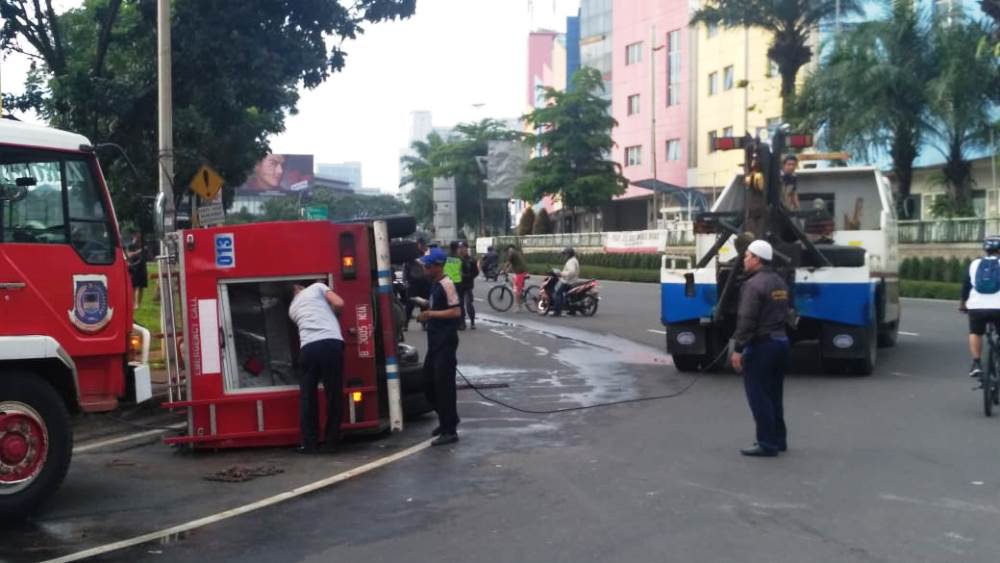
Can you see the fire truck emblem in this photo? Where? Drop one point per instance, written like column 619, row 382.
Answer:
column 90, row 311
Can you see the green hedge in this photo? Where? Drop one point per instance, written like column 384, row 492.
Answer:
column 625, row 261
column 950, row 270
column 603, row 273
column 931, row 289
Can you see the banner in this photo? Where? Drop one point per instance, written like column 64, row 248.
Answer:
column 505, row 163
column 636, row 241
column 278, row 174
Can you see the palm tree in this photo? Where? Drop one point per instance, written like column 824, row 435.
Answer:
column 790, row 22
column 962, row 102
column 869, row 95
column 421, row 169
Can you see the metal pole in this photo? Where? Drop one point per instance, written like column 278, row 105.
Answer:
column 652, row 101
column 382, row 263
column 166, row 114
column 746, row 85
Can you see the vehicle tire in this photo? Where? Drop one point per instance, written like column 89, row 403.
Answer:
column 501, row 298
column 688, row 363
column 589, row 306
column 403, row 251
column 35, row 433
column 399, row 226
column 888, row 334
column 543, row 306
column 531, row 297
column 866, row 365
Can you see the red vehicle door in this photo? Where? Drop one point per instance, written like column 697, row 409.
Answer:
column 62, row 270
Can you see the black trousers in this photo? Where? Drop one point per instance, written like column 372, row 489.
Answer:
column 468, row 299
column 764, row 365
column 440, row 365
column 322, row 362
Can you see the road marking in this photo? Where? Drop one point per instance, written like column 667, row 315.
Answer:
column 909, row 333
column 654, row 331
column 112, row 441
column 233, row 512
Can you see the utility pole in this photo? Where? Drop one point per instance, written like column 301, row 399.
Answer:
column 653, row 48
column 166, row 114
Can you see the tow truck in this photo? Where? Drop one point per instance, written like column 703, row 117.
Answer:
column 69, row 343
column 844, row 280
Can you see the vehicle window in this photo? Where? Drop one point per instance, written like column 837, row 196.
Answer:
column 37, row 216
column 58, row 201
column 88, row 220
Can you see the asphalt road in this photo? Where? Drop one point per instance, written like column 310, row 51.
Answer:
column 899, row 466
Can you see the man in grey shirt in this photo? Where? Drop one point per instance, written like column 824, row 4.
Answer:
column 314, row 310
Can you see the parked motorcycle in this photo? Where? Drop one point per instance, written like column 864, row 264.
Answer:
column 582, row 296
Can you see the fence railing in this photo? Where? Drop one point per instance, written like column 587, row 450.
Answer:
column 947, row 230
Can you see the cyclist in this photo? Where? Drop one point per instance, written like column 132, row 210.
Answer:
column 569, row 275
column 516, row 265
column 981, row 298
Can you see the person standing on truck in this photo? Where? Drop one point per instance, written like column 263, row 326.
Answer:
column 470, row 271
column 314, row 310
column 981, row 299
column 137, row 267
column 440, row 363
column 789, row 182
column 762, row 348
column 516, row 265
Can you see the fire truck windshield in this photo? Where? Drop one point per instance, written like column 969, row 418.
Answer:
column 55, row 199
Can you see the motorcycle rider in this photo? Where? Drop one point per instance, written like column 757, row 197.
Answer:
column 569, row 275
column 490, row 263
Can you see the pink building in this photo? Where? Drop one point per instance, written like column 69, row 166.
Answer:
column 650, row 39
column 546, row 63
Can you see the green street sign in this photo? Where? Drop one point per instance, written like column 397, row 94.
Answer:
column 316, row 213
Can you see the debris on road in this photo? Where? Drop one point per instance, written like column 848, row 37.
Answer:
column 242, row 474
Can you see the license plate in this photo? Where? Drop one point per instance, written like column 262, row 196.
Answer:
column 366, row 331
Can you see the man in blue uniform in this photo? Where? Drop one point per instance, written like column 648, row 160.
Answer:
column 443, row 315
column 761, row 348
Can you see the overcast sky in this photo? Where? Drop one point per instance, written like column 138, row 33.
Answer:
column 451, row 55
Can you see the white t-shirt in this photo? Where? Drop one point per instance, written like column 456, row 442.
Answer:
column 571, row 271
column 978, row 300
column 314, row 316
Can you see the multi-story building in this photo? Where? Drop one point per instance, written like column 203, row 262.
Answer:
column 421, row 126
column 349, row 172
column 595, row 38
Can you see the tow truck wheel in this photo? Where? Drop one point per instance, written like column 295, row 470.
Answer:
column 888, row 334
column 36, row 443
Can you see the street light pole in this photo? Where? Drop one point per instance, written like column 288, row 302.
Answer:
column 166, row 114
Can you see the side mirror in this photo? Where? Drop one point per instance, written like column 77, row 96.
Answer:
column 14, row 193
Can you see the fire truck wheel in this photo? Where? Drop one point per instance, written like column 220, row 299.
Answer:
column 36, row 442
column 687, row 362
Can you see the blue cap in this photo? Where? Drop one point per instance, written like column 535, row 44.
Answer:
column 434, row 256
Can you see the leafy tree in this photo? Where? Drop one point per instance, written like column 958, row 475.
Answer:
column 791, row 22
column 542, row 225
column 526, row 225
column 237, row 68
column 574, row 133
column 870, row 94
column 962, row 99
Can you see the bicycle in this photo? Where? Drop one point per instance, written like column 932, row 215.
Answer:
column 990, row 377
column 501, row 296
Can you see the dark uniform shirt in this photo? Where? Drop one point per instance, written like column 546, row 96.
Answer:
column 443, row 296
column 763, row 309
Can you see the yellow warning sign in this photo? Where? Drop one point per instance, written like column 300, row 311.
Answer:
column 207, row 182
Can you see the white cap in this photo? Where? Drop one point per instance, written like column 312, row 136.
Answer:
column 761, row 249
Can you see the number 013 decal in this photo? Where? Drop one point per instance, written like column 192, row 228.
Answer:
column 225, row 250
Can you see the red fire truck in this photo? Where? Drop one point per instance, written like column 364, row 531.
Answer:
column 68, row 342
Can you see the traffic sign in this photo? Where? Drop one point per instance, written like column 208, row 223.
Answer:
column 316, row 212
column 211, row 212
column 206, row 182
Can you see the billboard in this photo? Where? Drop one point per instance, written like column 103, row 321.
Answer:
column 504, row 168
column 279, row 174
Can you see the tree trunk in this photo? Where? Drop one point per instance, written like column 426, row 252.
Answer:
column 788, row 74
column 903, row 153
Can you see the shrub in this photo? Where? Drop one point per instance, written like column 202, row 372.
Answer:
column 542, row 224
column 526, row 223
column 931, row 290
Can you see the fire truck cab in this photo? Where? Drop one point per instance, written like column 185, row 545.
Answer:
column 67, row 338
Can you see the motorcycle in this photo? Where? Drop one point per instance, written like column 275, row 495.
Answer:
column 491, row 271
column 582, row 296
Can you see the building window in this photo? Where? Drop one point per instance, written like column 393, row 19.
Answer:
column 727, row 132
column 712, row 136
column 713, row 84
column 674, row 68
column 633, row 53
column 728, row 78
column 673, row 150
column 633, row 104
column 773, row 124
column 772, row 68
column 633, row 155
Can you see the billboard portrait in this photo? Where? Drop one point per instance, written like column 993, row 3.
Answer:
column 280, row 173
